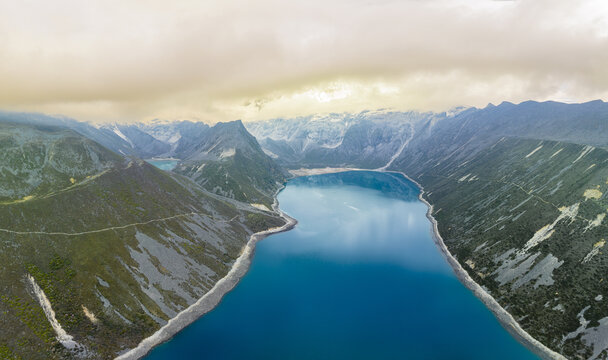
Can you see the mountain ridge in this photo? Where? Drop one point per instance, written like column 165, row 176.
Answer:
column 229, row 161
column 118, row 249
column 518, row 191
column 519, row 195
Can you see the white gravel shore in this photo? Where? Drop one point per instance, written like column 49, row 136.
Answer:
column 241, row 266
column 212, row 298
column 503, row 316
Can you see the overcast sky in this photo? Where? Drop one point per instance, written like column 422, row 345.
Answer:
column 224, row 60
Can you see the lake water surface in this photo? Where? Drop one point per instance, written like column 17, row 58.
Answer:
column 358, row 278
column 164, row 164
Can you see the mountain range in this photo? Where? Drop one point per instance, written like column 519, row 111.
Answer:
column 95, row 244
column 518, row 191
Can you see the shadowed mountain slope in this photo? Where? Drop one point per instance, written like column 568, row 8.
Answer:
column 230, row 162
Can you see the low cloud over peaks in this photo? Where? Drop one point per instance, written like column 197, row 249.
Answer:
column 132, row 60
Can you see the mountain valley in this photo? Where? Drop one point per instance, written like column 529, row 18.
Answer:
column 116, row 245
column 518, row 191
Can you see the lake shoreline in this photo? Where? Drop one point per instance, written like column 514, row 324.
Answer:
column 504, row 317
column 213, row 297
column 163, row 159
column 242, row 264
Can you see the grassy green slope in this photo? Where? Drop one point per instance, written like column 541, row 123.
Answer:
column 132, row 244
column 37, row 160
column 502, row 179
column 488, row 209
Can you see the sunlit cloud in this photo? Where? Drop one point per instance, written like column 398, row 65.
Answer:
column 223, row 60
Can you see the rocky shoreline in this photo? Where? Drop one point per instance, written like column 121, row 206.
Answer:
column 212, row 298
column 503, row 316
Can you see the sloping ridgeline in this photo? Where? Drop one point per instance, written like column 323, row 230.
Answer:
column 224, row 159
column 230, row 162
column 526, row 220
column 117, row 246
column 519, row 193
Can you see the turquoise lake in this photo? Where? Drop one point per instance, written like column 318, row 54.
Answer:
column 359, row 277
column 164, row 164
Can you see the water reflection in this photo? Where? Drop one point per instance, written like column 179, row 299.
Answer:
column 358, row 278
column 368, row 227
column 163, row 164
column 390, row 185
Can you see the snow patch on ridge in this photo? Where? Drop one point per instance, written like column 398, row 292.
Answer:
column 270, row 153
column 122, row 136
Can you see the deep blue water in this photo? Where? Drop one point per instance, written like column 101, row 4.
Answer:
column 163, row 164
column 358, row 278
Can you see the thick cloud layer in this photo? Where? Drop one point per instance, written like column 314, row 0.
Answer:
column 221, row 60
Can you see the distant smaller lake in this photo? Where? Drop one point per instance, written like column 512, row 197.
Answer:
column 164, row 164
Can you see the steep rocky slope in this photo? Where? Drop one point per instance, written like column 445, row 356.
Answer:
column 182, row 137
column 224, row 159
column 103, row 136
column 107, row 250
column 525, row 218
column 373, row 139
column 366, row 139
column 519, row 192
column 142, row 144
column 230, row 162
column 37, row 160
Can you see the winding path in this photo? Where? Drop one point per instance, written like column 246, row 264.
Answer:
column 104, row 229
